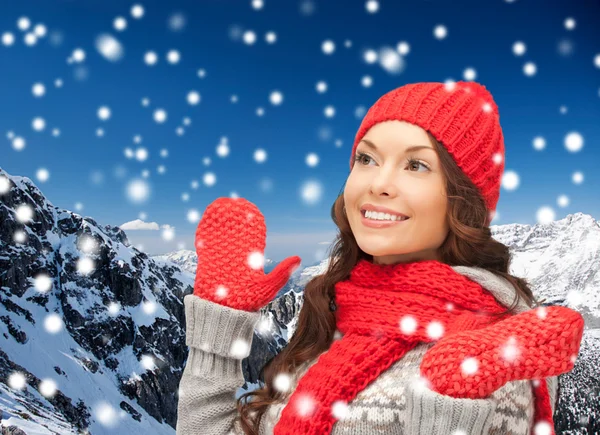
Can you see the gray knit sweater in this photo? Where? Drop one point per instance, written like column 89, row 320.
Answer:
column 391, row 404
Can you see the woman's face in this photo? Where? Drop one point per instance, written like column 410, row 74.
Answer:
column 384, row 177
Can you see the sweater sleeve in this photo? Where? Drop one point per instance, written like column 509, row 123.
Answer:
column 508, row 410
column 219, row 338
column 553, row 390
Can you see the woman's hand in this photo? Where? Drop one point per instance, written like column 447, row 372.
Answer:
column 230, row 243
column 535, row 344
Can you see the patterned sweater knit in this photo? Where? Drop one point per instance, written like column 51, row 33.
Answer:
column 389, row 405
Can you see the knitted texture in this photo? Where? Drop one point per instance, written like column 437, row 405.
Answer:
column 549, row 336
column 462, row 116
column 230, row 242
column 389, row 405
column 384, row 311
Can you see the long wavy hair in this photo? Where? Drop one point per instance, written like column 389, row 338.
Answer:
column 469, row 243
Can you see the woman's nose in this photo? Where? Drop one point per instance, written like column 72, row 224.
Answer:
column 384, row 182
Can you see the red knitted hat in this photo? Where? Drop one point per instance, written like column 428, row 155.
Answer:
column 462, row 116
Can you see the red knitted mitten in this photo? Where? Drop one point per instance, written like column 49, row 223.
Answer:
column 535, row 344
column 230, row 243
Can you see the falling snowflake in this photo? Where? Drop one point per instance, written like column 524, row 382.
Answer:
column 435, row 330
column 150, row 58
column 510, row 180
column 256, row 260
column 173, row 56
column 469, row 74
column 545, row 215
column 282, row 382
column 408, row 325
column 109, row 47
column 249, row 37
column 311, row 192
column 573, row 142
column 370, row 56
column 160, row 115
column 53, row 323
column 510, row 351
column 440, row 31
column 340, row 410
column 17, row 381
column 8, row 39
column 239, row 349
column 276, row 98
column 260, row 155
column 106, row 415
column 305, row 405
column 529, row 69
column 42, row 175
column 193, row 216
column 403, row 48
column 271, row 37
column 149, row 307
column 193, row 98
column 312, row 159
column 104, row 113
column 48, row 388
column 519, row 48
column 138, row 191
column 137, row 11
column 168, row 234
column 222, row 150
column 391, row 61
column 328, row 47
column 539, row 143
column 43, row 283
column 563, row 201
column 120, row 24
column 469, row 366
column 24, row 213
column 38, row 123
column 38, row 90
column 78, row 55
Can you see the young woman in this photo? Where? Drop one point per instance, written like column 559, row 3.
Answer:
column 416, row 326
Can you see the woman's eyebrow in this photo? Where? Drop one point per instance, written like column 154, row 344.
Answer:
column 410, row 148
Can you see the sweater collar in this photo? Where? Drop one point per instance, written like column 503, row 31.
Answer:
column 502, row 290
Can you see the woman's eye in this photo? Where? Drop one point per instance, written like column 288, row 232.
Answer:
column 359, row 156
column 410, row 162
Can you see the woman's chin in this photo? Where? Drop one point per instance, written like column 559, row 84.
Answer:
column 377, row 250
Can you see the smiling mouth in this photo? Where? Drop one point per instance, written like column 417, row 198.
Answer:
column 364, row 213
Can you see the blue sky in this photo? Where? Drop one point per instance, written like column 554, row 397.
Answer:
column 90, row 174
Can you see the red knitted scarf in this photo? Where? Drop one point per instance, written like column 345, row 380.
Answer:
column 371, row 309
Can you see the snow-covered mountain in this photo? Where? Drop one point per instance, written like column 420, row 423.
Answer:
column 92, row 331
column 560, row 260
column 187, row 260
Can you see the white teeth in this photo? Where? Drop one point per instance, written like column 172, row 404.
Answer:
column 382, row 216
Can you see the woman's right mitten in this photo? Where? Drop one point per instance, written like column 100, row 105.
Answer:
column 230, row 242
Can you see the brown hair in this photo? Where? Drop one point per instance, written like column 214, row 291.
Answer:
column 469, row 243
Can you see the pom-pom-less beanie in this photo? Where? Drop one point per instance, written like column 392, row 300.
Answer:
column 462, row 116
